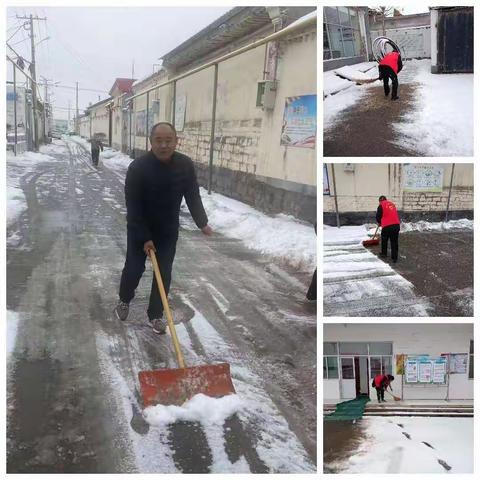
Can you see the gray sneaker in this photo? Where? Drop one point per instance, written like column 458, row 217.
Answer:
column 159, row 325
column 121, row 310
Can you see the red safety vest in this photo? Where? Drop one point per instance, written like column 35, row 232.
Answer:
column 389, row 214
column 391, row 60
column 378, row 380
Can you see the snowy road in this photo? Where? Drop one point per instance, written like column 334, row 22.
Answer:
column 73, row 403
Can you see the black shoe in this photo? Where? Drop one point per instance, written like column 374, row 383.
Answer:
column 383, row 255
column 121, row 310
column 159, row 325
column 395, row 98
column 394, row 260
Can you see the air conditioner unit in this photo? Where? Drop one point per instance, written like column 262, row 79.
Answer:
column 266, row 92
column 349, row 167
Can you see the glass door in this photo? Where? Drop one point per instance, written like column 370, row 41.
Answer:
column 347, row 383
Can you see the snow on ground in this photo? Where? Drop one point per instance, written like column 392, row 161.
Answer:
column 281, row 236
column 422, row 226
column 357, row 283
column 57, row 146
column 340, row 93
column 13, row 319
column 442, row 123
column 201, row 408
column 17, row 167
column 386, row 449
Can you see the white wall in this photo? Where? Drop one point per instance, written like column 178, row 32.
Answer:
column 413, row 339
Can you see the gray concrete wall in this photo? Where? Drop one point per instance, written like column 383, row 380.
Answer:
column 402, row 21
column 341, row 62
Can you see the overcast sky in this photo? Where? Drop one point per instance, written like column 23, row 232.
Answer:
column 95, row 45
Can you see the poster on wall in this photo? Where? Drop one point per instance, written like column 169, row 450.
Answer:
column 439, row 370
column 140, row 124
column 400, row 364
column 423, row 178
column 299, row 126
column 425, row 371
column 458, row 362
column 326, row 185
column 411, row 370
column 180, row 109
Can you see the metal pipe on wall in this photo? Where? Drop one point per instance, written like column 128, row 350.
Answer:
column 335, row 195
column 449, row 193
column 147, row 122
column 15, row 109
column 212, row 130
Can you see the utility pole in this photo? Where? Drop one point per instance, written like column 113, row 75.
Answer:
column 76, row 110
column 34, row 83
column 68, row 125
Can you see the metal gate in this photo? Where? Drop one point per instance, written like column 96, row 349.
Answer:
column 414, row 42
column 455, row 40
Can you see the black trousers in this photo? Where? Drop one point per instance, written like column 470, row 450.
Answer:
column 387, row 73
column 95, row 155
column 391, row 233
column 135, row 266
column 380, row 393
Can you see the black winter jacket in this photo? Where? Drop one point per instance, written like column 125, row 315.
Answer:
column 154, row 192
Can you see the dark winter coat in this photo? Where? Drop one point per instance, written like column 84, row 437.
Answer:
column 96, row 144
column 154, row 192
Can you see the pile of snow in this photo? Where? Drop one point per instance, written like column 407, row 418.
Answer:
column 344, row 235
column 17, row 167
column 13, row 320
column 281, row 236
column 355, row 75
column 201, row 408
column 442, row 122
column 115, row 160
column 56, row 147
column 385, row 449
column 422, row 226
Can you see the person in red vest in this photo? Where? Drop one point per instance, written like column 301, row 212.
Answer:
column 388, row 219
column 389, row 67
column 381, row 383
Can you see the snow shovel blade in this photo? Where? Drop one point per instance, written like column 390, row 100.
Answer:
column 370, row 243
column 176, row 386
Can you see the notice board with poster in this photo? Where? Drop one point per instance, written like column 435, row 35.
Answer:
column 423, row 178
column 458, row 362
column 299, row 126
column 424, row 370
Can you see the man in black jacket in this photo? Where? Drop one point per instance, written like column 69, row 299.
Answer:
column 154, row 188
column 96, row 146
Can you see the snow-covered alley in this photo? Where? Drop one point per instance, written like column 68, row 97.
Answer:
column 73, row 401
column 403, row 445
column 433, row 117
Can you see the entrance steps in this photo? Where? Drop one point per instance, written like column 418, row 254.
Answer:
column 403, row 409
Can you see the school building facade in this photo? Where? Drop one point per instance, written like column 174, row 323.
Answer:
column 428, row 361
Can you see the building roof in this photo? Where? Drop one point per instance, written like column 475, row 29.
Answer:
column 98, row 104
column 236, row 24
column 123, row 84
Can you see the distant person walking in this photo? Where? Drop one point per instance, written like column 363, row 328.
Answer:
column 388, row 68
column 96, row 146
column 381, row 383
column 388, row 219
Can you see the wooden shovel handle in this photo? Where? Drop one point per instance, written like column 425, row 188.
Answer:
column 166, row 308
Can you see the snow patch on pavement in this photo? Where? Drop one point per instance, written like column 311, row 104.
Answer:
column 281, row 236
column 442, row 122
column 18, row 167
column 386, row 449
column 13, row 320
column 422, row 226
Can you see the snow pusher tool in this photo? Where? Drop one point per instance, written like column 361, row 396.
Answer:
column 175, row 386
column 372, row 241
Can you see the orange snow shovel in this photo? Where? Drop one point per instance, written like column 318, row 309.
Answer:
column 373, row 241
column 176, row 386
